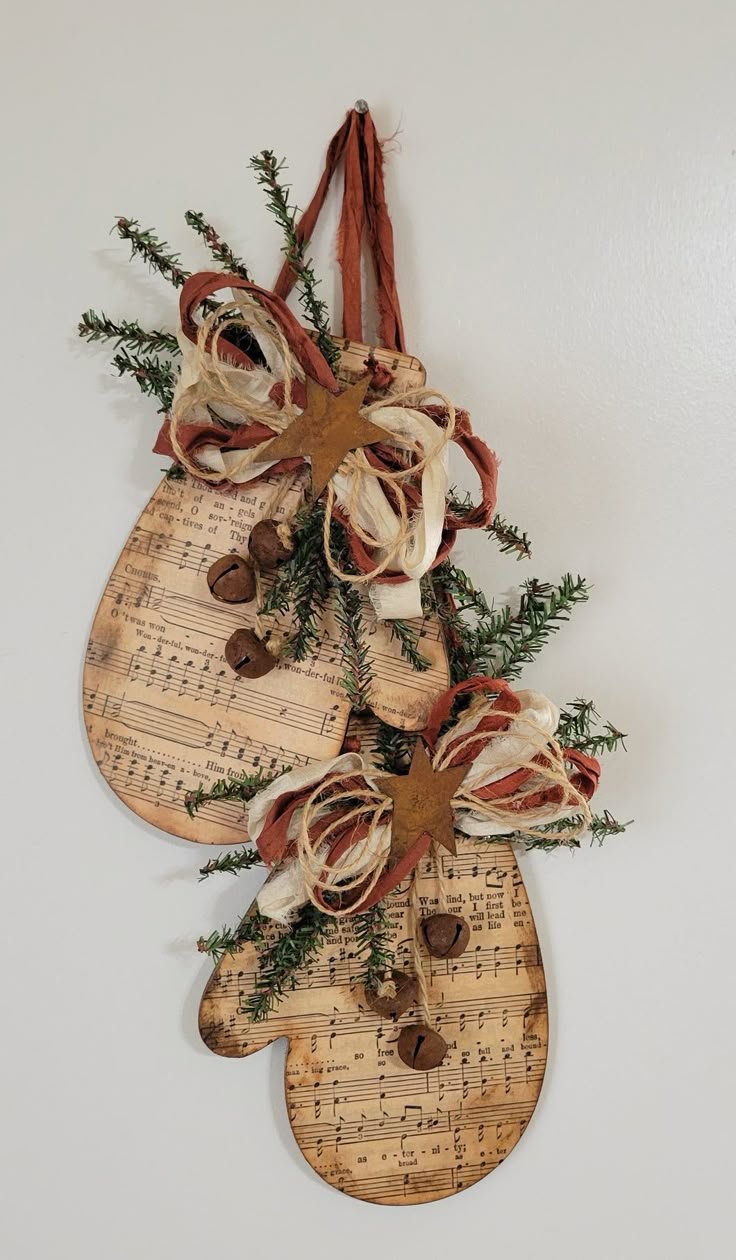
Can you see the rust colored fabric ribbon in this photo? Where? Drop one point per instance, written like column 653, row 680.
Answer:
column 273, row 840
column 193, row 436
column 363, row 209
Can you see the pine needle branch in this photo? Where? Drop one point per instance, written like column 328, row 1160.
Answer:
column 510, row 539
column 158, row 255
column 449, row 579
column 373, row 938
column 231, row 863
column 506, row 641
column 394, row 748
column 230, row 940
column 268, row 168
column 408, row 640
column 457, row 633
column 219, row 249
column 604, row 825
column 601, row 826
column 280, row 963
column 357, row 676
column 578, row 729
column 153, row 377
column 236, row 787
column 302, row 584
column 128, row 333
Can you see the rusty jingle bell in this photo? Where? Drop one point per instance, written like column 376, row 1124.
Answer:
column 406, row 995
column 421, row 1048
column 232, row 580
column 446, row 935
column 270, row 543
column 248, row 655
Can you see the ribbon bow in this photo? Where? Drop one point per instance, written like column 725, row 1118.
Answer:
column 329, row 830
column 391, row 496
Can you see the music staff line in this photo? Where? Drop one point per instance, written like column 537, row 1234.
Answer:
column 332, row 1093
column 406, row 1185
column 215, row 622
column 221, row 688
column 218, row 622
column 409, row 1125
column 189, row 732
column 199, row 557
column 321, row 1025
column 136, row 775
column 478, row 961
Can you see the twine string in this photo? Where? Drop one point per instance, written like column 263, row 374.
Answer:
column 442, row 882
column 369, row 808
column 214, row 387
column 417, row 946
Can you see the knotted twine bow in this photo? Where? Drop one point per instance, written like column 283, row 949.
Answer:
column 390, row 497
column 326, row 827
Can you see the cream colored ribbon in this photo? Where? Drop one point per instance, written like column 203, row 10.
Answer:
column 209, row 387
column 530, row 733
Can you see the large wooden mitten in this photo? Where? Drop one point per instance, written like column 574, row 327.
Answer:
column 367, row 1123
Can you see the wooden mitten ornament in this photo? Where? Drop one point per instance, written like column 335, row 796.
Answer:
column 285, row 655
column 166, row 714
column 369, row 1124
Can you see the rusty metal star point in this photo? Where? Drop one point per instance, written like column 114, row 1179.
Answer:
column 327, row 430
column 422, row 803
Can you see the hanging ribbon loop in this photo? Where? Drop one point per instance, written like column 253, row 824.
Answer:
column 363, row 207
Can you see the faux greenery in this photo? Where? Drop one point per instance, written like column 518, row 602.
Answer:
column 280, row 963
column 373, row 945
column 268, row 170
column 219, row 249
column 236, row 787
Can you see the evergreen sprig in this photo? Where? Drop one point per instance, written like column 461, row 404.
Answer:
column 577, row 729
column 302, row 584
column 219, row 249
column 394, row 748
column 408, row 640
column 357, row 675
column 231, row 863
column 157, row 254
column 230, row 940
column 236, row 787
column 268, row 169
column 374, row 942
column 546, row 838
column 507, row 640
column 604, row 825
column 154, row 377
column 448, row 579
column 279, row 964
column 510, row 539
column 128, row 333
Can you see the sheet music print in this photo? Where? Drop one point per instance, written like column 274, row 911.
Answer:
column 164, row 712
column 370, row 1126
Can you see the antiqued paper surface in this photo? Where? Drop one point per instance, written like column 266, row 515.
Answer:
column 164, row 711
column 368, row 1124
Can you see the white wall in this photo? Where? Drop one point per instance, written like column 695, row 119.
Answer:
column 565, row 211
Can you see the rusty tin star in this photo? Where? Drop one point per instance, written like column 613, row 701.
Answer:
column 422, row 803
column 329, row 427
